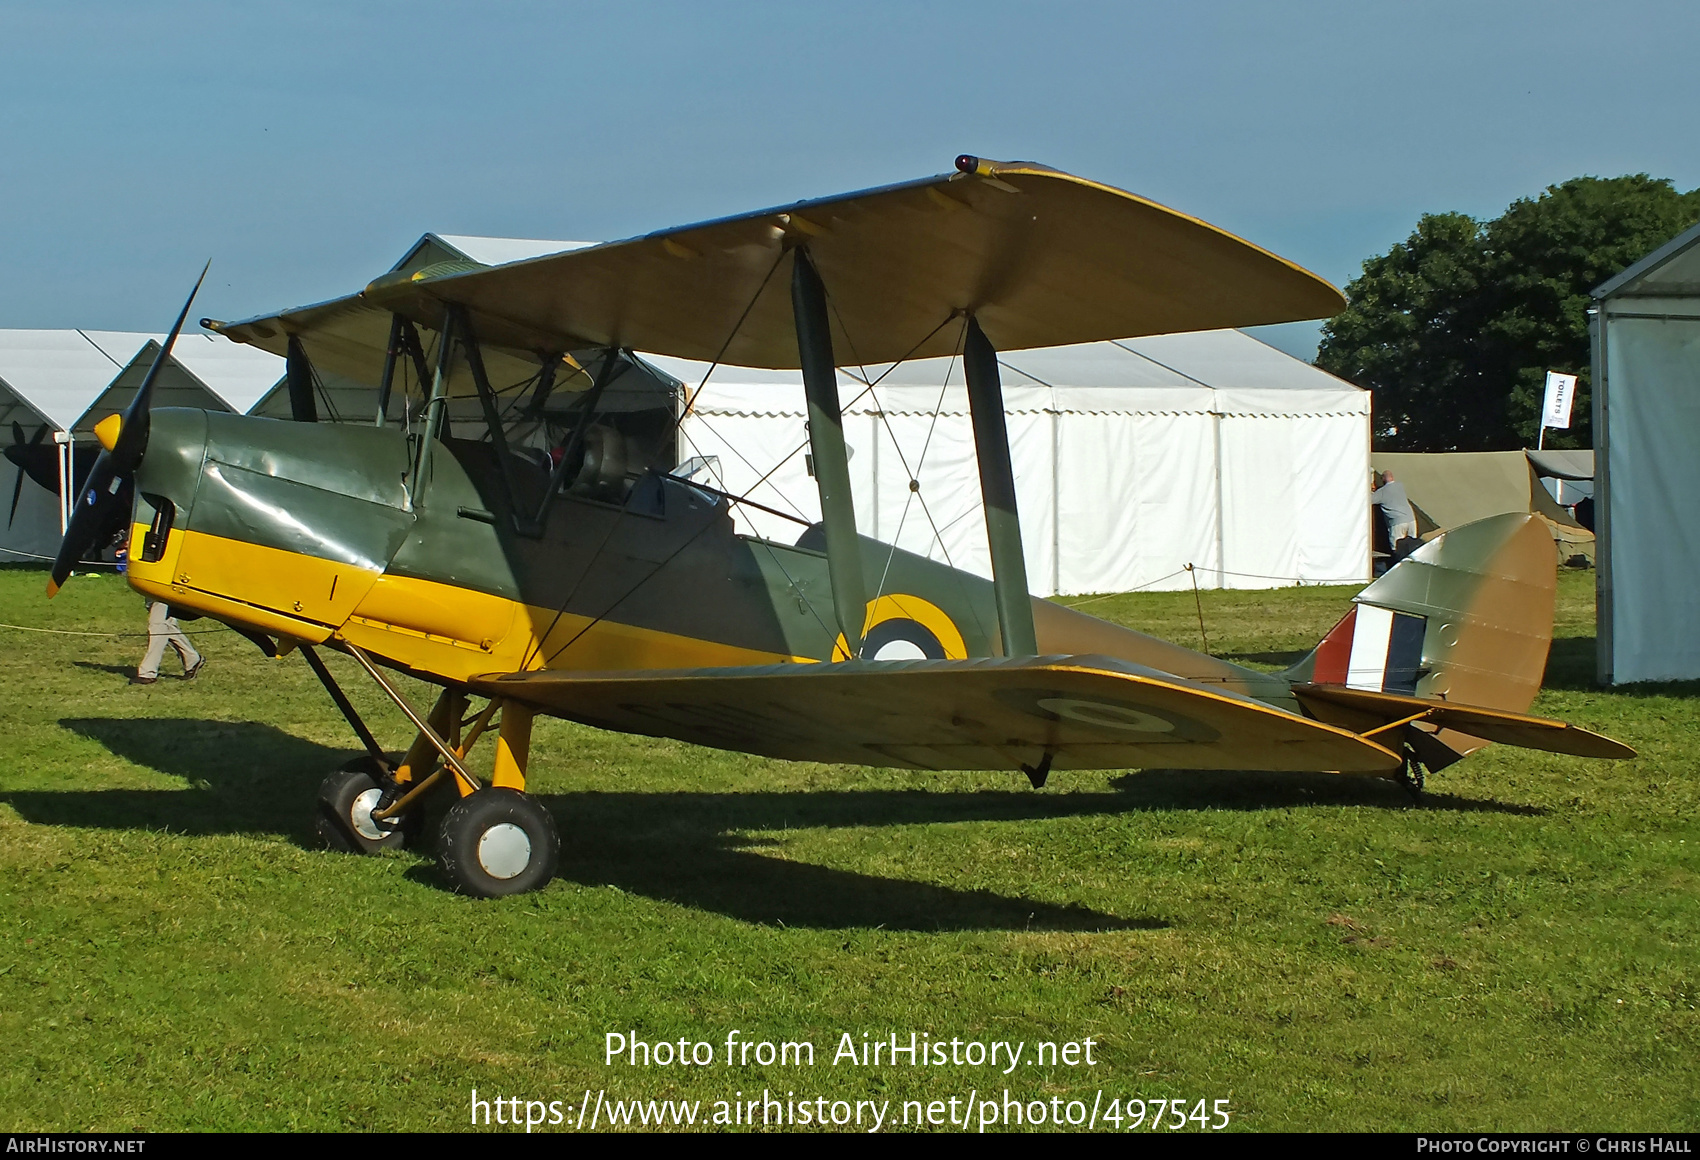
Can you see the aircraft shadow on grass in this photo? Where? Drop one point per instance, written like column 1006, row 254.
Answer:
column 682, row 847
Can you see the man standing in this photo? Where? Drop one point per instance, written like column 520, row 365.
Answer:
column 163, row 630
column 1401, row 522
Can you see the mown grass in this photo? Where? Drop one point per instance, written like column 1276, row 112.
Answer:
column 175, row 952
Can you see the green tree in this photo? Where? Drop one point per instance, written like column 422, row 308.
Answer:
column 1455, row 328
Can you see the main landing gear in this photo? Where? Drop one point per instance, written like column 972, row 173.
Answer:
column 490, row 840
column 497, row 842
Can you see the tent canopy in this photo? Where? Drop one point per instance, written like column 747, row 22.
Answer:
column 203, row 373
column 1202, row 373
column 1573, row 465
column 1458, row 487
column 437, row 249
column 71, row 379
column 68, row 380
column 51, row 376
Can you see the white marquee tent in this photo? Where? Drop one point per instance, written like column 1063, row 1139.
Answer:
column 1132, row 459
column 1646, row 331
column 57, row 384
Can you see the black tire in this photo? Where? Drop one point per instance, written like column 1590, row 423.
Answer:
column 346, row 801
column 498, row 842
column 1411, row 776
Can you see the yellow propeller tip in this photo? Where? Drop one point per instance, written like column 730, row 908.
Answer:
column 52, row 589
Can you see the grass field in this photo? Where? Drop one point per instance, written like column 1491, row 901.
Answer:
column 1519, row 952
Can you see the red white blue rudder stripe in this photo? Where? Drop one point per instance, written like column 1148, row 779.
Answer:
column 1373, row 648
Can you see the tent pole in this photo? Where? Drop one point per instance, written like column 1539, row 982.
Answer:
column 997, row 490
column 1221, row 498
column 826, row 445
column 65, row 499
column 1056, row 495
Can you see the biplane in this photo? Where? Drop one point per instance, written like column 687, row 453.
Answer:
column 509, row 541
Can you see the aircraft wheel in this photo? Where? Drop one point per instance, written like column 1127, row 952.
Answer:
column 1411, row 776
column 346, row 801
column 498, row 842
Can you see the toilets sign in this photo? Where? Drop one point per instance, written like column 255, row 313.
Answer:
column 1561, row 392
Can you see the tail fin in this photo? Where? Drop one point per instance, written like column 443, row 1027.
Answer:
column 1467, row 618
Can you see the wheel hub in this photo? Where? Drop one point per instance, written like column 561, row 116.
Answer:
column 504, row 850
column 360, row 815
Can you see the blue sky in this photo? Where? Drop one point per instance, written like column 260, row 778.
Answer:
column 303, row 145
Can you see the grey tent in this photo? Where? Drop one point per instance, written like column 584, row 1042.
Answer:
column 1646, row 332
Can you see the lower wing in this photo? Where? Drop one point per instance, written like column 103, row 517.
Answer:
column 1080, row 712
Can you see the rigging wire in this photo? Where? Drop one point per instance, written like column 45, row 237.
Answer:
column 324, row 393
column 727, row 443
column 867, row 390
column 914, row 475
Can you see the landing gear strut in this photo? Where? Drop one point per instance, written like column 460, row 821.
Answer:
column 493, row 841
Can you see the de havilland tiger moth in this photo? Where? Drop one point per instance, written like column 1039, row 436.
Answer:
column 534, row 562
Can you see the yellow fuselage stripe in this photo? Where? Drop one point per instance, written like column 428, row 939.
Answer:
column 433, row 628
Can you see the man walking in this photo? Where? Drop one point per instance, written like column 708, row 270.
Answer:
column 163, row 630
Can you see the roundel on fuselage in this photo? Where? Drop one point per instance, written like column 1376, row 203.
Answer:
column 899, row 639
column 902, row 628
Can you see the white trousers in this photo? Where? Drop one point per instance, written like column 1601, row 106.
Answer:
column 162, row 631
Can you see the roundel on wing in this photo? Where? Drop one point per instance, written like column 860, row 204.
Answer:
column 1126, row 720
column 905, row 628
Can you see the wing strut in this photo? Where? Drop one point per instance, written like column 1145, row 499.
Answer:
column 299, row 374
column 997, row 490
column 386, row 382
column 826, row 446
column 436, row 406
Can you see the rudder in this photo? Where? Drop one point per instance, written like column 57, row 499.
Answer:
column 1466, row 618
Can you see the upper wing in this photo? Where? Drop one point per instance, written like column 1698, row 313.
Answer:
column 1085, row 712
column 1041, row 257
column 1499, row 725
column 350, row 336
